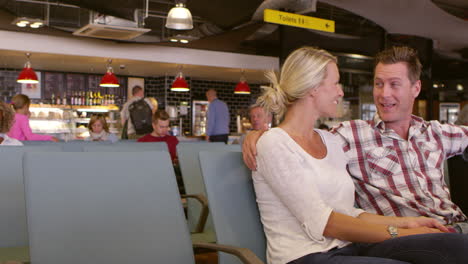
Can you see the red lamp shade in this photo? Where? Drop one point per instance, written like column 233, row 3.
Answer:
column 242, row 88
column 180, row 85
column 109, row 79
column 27, row 75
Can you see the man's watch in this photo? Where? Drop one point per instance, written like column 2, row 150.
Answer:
column 393, row 231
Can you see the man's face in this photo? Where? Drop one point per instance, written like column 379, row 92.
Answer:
column 161, row 127
column 394, row 93
column 258, row 118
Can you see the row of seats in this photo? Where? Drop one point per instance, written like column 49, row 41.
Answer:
column 102, row 210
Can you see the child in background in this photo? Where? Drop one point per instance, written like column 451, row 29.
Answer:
column 160, row 122
column 6, row 120
column 99, row 130
column 21, row 129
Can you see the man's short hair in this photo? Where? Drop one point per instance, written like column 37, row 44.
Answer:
column 401, row 54
column 160, row 115
column 136, row 89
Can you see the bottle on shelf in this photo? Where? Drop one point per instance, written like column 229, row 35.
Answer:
column 64, row 99
column 52, row 99
column 58, row 101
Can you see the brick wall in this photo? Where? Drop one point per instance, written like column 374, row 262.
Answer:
column 159, row 87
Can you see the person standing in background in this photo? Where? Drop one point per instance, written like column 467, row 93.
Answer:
column 126, row 119
column 21, row 129
column 6, row 121
column 259, row 119
column 218, row 119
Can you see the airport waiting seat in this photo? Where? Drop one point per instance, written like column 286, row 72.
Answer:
column 114, row 211
column 232, row 203
column 13, row 228
column 127, row 147
column 197, row 211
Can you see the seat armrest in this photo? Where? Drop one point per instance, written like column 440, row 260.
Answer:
column 244, row 254
column 204, row 212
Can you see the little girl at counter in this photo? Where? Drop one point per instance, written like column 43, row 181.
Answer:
column 21, row 129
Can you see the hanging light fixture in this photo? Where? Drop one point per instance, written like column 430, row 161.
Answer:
column 179, row 18
column 180, row 84
column 109, row 79
column 242, row 86
column 27, row 75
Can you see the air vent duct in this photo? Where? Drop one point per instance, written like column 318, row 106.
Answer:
column 109, row 27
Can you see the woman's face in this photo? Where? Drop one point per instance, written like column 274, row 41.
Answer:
column 329, row 92
column 97, row 127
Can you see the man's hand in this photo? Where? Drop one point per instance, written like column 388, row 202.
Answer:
column 415, row 222
column 249, row 148
column 417, row 231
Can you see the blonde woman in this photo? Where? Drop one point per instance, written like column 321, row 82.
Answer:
column 99, row 130
column 6, row 120
column 21, row 129
column 305, row 195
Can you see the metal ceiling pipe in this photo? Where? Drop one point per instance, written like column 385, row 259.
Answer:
column 293, row 5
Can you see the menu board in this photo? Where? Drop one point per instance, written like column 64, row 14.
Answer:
column 53, row 84
column 75, row 82
column 93, row 83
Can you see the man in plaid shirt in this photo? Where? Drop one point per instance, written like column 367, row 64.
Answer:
column 396, row 160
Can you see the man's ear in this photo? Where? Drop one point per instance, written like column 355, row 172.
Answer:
column 416, row 88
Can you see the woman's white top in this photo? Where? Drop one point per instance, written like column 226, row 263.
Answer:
column 296, row 194
column 8, row 141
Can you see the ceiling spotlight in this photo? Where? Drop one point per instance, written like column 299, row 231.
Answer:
column 459, row 87
column 24, row 22
column 182, row 38
column 36, row 25
column 179, row 18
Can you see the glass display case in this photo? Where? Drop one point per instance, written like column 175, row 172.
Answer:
column 448, row 112
column 199, row 112
column 69, row 122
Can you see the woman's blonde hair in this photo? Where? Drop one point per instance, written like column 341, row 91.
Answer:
column 94, row 119
column 19, row 101
column 304, row 69
column 6, row 117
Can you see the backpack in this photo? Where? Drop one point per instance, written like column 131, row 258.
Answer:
column 141, row 115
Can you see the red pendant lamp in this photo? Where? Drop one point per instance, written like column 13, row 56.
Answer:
column 27, row 75
column 109, row 79
column 180, row 84
column 242, row 86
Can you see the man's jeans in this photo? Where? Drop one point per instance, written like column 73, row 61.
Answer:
column 417, row 249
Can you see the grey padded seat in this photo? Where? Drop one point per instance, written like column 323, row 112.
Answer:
column 187, row 153
column 13, row 228
column 115, row 211
column 232, row 203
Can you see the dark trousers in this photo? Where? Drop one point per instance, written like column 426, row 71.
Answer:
column 219, row 138
column 417, row 249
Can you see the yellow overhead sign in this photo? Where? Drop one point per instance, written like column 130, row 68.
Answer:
column 295, row 20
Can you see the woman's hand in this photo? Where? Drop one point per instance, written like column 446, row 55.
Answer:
column 416, row 222
column 249, row 148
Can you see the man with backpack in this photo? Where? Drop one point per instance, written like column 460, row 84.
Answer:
column 136, row 115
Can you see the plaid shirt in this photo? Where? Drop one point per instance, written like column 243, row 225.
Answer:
column 394, row 176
